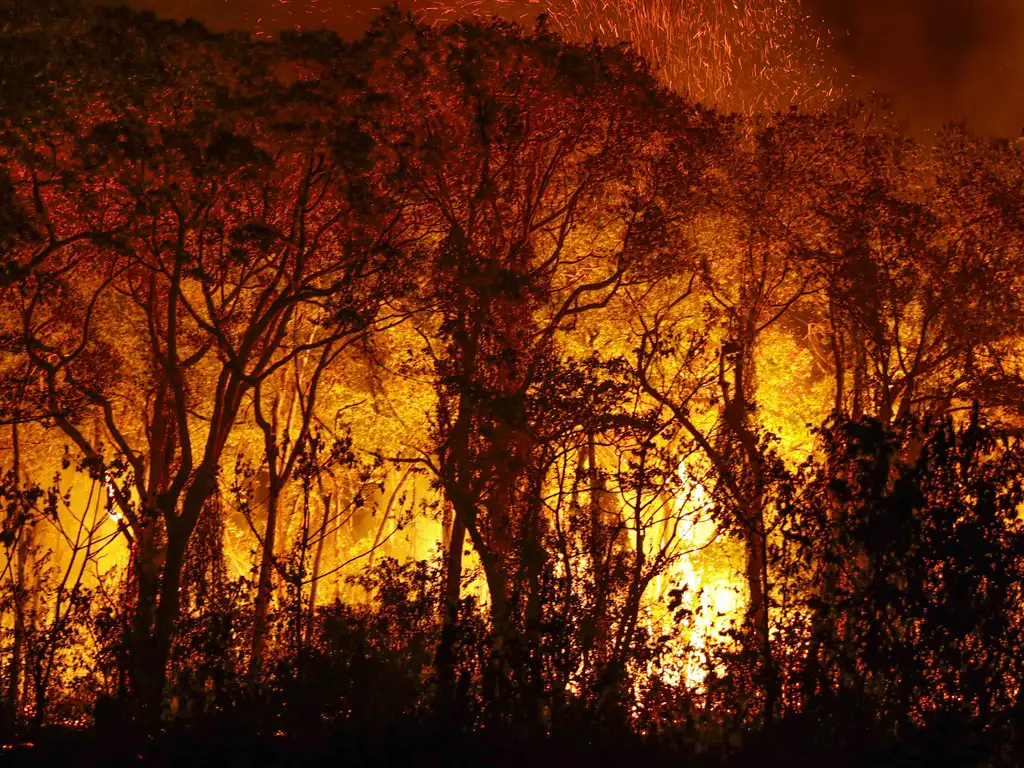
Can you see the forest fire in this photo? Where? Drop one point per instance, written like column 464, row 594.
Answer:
column 749, row 56
column 759, row 55
column 473, row 384
column 710, row 597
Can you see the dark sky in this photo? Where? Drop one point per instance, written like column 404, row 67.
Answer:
column 940, row 59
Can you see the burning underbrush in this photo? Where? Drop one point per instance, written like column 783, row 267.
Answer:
column 462, row 390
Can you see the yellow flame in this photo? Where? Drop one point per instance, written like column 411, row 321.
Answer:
column 710, row 599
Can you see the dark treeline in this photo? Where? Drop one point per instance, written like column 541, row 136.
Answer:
column 463, row 383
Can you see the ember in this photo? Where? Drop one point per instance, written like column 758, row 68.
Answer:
column 470, row 381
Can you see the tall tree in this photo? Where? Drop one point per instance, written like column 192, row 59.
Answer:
column 541, row 169
column 182, row 244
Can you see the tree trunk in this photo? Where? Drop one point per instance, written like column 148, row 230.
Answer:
column 534, row 558
column 159, row 601
column 314, row 578
column 757, row 584
column 836, row 343
column 141, row 650
column 737, row 416
column 859, row 379
column 823, row 619
column 167, row 611
column 600, row 544
column 265, row 585
column 498, row 677
column 444, row 660
column 12, row 698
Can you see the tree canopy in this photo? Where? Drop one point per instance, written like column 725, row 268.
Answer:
column 469, row 376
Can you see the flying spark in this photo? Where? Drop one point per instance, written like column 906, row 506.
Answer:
column 747, row 56
column 737, row 55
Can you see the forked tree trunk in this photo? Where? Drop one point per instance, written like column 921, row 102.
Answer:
column 159, row 599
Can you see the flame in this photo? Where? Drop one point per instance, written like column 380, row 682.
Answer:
column 114, row 512
column 710, row 599
column 751, row 56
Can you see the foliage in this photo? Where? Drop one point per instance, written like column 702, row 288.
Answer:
column 465, row 381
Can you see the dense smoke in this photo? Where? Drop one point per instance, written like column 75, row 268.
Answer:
column 940, row 60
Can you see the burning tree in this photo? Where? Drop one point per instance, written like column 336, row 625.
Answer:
column 539, row 208
column 466, row 346
column 185, row 253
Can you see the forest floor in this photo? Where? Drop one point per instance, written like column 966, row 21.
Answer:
column 229, row 748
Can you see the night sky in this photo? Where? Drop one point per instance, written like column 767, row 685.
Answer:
column 940, row 59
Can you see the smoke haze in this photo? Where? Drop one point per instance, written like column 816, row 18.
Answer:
column 940, row 60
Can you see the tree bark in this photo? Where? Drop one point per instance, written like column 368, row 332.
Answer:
column 14, row 667
column 265, row 584
column 737, row 416
column 159, row 600
column 314, row 578
column 444, row 659
column 141, row 650
column 836, row 344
